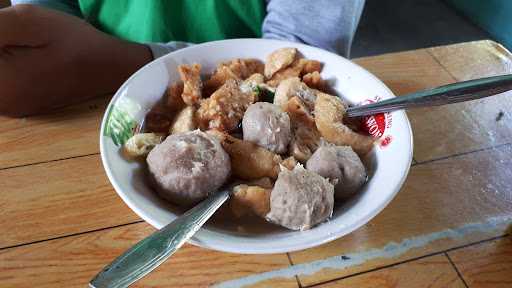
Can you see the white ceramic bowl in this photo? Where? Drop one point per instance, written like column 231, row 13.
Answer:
column 139, row 93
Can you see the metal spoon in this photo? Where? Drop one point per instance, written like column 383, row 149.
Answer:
column 152, row 251
column 447, row 94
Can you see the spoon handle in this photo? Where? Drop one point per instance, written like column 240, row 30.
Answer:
column 152, row 251
column 452, row 93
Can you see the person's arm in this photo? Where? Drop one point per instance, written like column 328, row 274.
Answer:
column 50, row 59
column 72, row 7
column 328, row 24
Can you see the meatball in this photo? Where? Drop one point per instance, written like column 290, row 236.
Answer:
column 300, row 199
column 187, row 167
column 342, row 166
column 266, row 125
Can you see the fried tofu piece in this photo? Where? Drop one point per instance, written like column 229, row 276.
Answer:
column 306, row 137
column 158, row 121
column 226, row 107
column 289, row 163
column 298, row 68
column 184, row 121
column 293, row 87
column 255, row 79
column 243, row 68
column 299, row 112
column 294, row 70
column 314, row 80
column 264, row 182
column 252, row 85
column 310, row 66
column 192, row 84
column 278, row 60
column 139, row 145
column 248, row 160
column 329, row 112
column 237, row 69
column 174, row 100
column 219, row 77
column 250, row 199
column 304, row 143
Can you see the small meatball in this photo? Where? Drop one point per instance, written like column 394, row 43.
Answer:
column 139, row 145
column 185, row 121
column 279, row 59
column 174, row 100
column 329, row 111
column 250, row 199
column 342, row 166
column 225, row 108
column 300, row 199
column 187, row 167
column 192, row 85
column 268, row 126
column 293, row 87
column 248, row 160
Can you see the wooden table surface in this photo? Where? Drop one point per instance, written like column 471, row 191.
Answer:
column 61, row 221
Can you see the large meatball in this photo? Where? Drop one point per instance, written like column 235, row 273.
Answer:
column 187, row 167
column 300, row 199
column 341, row 165
column 266, row 125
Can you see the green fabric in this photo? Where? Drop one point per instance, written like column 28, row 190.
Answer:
column 193, row 21
column 494, row 16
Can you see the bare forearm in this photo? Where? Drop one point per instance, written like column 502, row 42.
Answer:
column 51, row 59
column 103, row 69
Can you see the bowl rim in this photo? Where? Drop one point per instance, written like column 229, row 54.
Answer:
column 199, row 239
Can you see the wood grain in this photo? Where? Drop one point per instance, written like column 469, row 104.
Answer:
column 53, row 199
column 407, row 72
column 486, row 265
column 460, row 128
column 473, row 60
column 70, row 132
column 73, row 261
column 431, row 272
column 471, row 125
column 437, row 196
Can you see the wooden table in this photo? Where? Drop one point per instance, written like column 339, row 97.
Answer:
column 61, row 221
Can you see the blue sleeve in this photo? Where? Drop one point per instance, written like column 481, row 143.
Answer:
column 160, row 49
column 66, row 6
column 328, row 24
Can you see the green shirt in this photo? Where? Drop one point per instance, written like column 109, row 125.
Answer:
column 193, row 21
